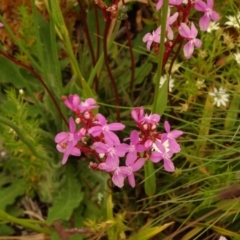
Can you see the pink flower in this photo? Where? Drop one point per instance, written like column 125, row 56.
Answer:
column 171, row 137
column 72, row 102
column 66, row 141
column 151, row 119
column 150, row 38
column 1, row 25
column 209, row 13
column 137, row 114
column 119, row 173
column 87, row 105
column 162, row 152
column 112, row 151
column 112, row 161
column 190, row 35
column 106, row 129
column 170, row 21
column 134, row 166
column 134, row 147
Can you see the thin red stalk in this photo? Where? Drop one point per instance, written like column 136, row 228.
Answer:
column 131, row 51
column 98, row 31
column 131, row 54
column 87, row 31
column 84, row 17
column 98, row 39
column 109, row 70
column 30, row 69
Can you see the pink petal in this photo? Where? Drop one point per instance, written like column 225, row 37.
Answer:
column 134, row 137
column 118, row 179
column 95, row 131
column 188, row 50
column 194, row 31
column 138, row 164
column 149, row 43
column 159, row 4
column 61, row 137
column 156, row 157
column 131, row 180
column 146, row 37
column 100, row 147
column 184, row 30
column 65, row 158
column 167, row 126
column 210, row 3
column 121, row 149
column 204, row 22
column 72, row 125
column 75, row 151
column 131, row 157
column 116, row 126
column 111, row 138
column 214, row 16
column 168, row 165
column 200, row 6
column 102, row 120
column 198, row 43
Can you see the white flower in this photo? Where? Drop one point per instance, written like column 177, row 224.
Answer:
column 237, row 57
column 220, row 96
column 233, row 21
column 212, row 26
column 200, row 84
column 163, row 80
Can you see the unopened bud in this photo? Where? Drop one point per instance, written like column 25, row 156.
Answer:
column 77, row 120
column 87, row 115
column 153, row 127
column 21, row 92
column 145, row 126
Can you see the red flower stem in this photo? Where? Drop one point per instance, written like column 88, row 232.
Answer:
column 98, row 39
column 107, row 25
column 30, row 69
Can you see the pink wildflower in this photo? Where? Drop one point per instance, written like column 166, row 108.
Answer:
column 134, row 166
column 154, row 37
column 66, row 141
column 106, row 129
column 1, row 25
column 162, row 152
column 72, row 102
column 190, row 34
column 209, row 13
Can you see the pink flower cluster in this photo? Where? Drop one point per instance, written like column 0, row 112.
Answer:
column 143, row 145
column 186, row 29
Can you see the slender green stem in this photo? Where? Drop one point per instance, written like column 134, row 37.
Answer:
column 23, row 222
column 23, row 138
column 163, row 17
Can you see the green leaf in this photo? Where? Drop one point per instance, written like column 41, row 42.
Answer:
column 6, row 230
column 69, row 198
column 9, row 73
column 232, row 113
column 162, row 98
column 150, row 178
column 149, row 232
column 10, row 193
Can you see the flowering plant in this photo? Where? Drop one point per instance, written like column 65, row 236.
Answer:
column 146, row 144
column 179, row 19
